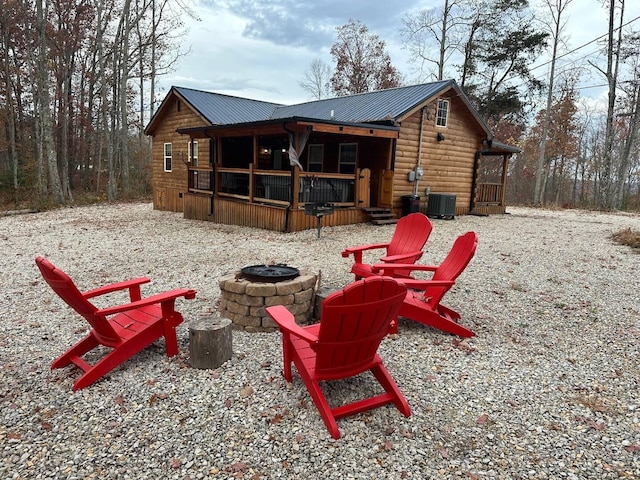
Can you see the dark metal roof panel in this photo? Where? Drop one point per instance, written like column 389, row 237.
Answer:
column 225, row 109
column 381, row 105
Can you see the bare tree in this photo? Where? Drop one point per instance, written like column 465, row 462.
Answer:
column 614, row 45
column 629, row 143
column 46, row 148
column 555, row 25
column 434, row 27
column 316, row 79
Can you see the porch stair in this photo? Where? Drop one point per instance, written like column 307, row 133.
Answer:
column 380, row 216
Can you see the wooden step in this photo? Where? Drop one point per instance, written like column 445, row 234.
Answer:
column 380, row 216
column 385, row 221
column 376, row 216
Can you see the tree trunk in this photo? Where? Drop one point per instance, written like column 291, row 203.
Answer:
column 10, row 113
column 557, row 25
column 124, row 79
column 613, row 58
column 44, row 111
column 627, row 147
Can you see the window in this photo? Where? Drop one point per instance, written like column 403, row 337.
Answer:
column 167, row 157
column 193, row 159
column 316, row 154
column 348, row 155
column 443, row 113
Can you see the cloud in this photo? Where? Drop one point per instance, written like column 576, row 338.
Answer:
column 310, row 24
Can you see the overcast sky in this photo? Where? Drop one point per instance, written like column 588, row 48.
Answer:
column 261, row 48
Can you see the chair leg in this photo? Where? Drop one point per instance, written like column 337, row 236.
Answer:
column 434, row 319
column 170, row 340
column 85, row 345
column 320, row 402
column 394, row 326
column 111, row 360
column 390, row 386
column 286, row 356
column 100, row 369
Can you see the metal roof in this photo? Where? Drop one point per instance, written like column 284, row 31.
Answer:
column 369, row 107
column 221, row 109
column 379, row 107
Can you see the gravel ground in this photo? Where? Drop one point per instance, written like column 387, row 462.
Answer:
column 547, row 389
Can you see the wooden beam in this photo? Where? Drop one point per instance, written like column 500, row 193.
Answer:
column 352, row 130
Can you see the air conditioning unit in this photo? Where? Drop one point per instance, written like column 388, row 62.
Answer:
column 441, row 205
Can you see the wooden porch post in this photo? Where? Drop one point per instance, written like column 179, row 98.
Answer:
column 295, row 178
column 505, row 164
column 251, row 182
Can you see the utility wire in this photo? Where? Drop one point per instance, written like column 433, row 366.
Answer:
column 585, row 45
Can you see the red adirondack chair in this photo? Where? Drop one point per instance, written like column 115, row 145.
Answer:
column 344, row 344
column 409, row 237
column 422, row 302
column 132, row 326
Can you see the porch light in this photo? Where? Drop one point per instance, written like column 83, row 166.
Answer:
column 440, row 137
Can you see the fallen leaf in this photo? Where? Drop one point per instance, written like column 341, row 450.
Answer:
column 482, row 418
column 276, row 419
column 239, row 467
column 246, row 391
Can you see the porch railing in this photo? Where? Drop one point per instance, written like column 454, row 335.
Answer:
column 489, row 194
column 201, row 179
column 327, row 188
column 274, row 187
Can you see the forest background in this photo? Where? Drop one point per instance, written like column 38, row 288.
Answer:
column 79, row 82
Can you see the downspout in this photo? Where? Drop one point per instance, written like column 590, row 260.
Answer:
column 474, row 181
column 418, row 168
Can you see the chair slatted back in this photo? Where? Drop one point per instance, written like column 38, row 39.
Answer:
column 461, row 253
column 64, row 287
column 410, row 235
column 354, row 322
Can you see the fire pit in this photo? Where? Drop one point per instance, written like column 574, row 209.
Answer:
column 247, row 293
column 269, row 273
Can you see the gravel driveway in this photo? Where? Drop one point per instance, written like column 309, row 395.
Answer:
column 547, row 389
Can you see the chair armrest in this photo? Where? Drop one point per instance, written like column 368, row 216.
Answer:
column 414, row 284
column 357, row 251
column 347, row 251
column 403, row 266
column 161, row 298
column 401, row 257
column 287, row 323
column 114, row 287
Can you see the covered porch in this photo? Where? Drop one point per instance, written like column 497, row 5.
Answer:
column 264, row 174
column 489, row 188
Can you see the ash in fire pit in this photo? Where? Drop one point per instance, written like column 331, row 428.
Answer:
column 269, row 273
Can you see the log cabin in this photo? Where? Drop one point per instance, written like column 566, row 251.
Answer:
column 368, row 157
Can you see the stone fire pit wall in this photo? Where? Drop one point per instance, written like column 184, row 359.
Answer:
column 244, row 302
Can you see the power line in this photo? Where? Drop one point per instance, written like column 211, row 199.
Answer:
column 585, row 45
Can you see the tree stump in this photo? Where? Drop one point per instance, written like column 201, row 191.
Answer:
column 210, row 342
column 321, row 294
